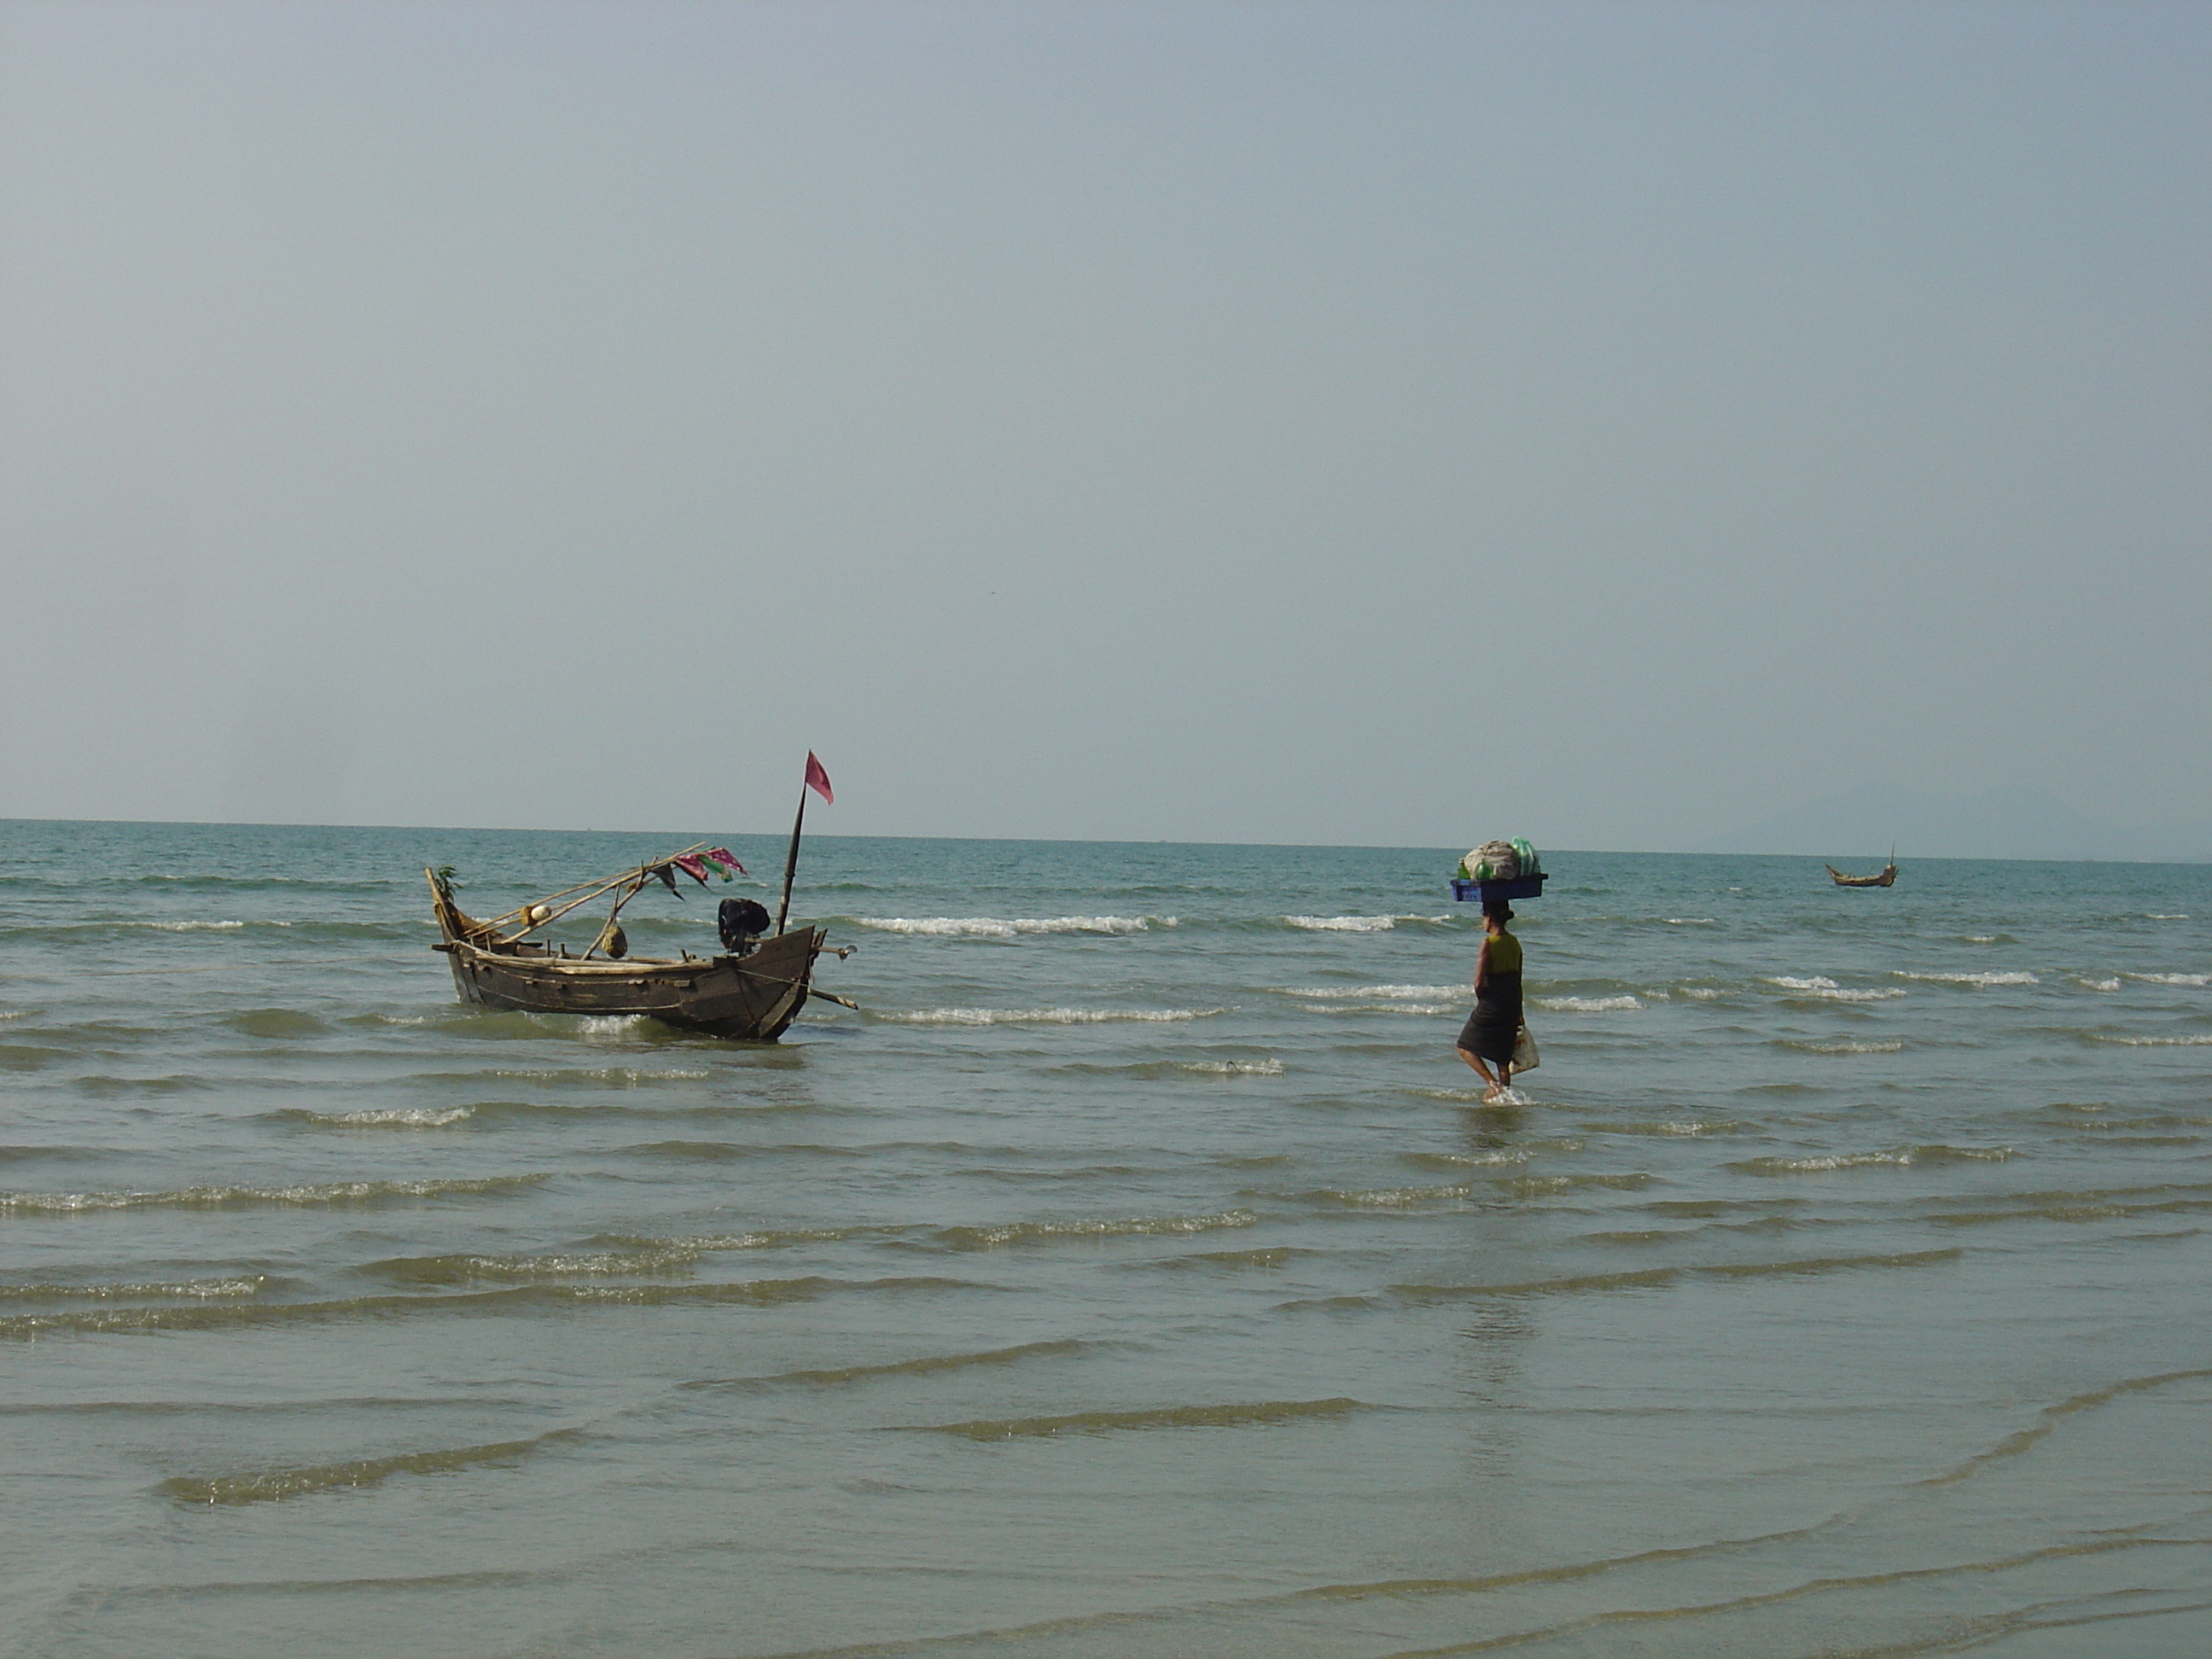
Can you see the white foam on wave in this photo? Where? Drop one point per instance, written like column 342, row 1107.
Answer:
column 1833, row 1161
column 203, row 1289
column 596, row 1027
column 1979, row 980
column 335, row 1193
column 1818, row 985
column 2199, row 980
column 1979, row 938
column 396, row 1117
column 1701, row 992
column 1901, row 1157
column 1231, row 1068
column 2156, row 916
column 1014, row 926
column 1044, row 1016
column 1690, row 921
column 1588, row 1005
column 2194, row 1041
column 1355, row 924
column 621, row 1075
column 1016, row 1232
column 2098, row 984
column 1390, row 1198
column 198, row 926
column 1844, row 1048
column 1380, row 993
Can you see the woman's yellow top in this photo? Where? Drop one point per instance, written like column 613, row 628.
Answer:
column 1504, row 953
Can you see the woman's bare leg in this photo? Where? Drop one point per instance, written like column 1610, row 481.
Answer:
column 1475, row 1060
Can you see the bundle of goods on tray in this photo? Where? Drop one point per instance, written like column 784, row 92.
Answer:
column 1499, row 870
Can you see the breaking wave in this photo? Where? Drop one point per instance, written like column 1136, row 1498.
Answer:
column 1895, row 1157
column 1818, row 985
column 1389, row 1198
column 336, row 1194
column 1588, row 1005
column 1024, row 1232
column 2197, row 979
column 1014, row 928
column 188, row 1289
column 1978, row 980
column 451, row 1270
column 1044, row 1016
column 393, row 1117
column 1355, row 924
column 1426, row 1008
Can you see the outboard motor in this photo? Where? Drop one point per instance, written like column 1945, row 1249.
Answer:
column 740, row 920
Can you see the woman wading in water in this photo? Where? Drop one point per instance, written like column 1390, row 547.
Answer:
column 1495, row 1025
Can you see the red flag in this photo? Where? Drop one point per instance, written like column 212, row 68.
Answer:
column 817, row 780
column 694, row 867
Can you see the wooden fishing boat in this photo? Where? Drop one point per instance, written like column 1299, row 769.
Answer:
column 754, row 990
column 1886, row 878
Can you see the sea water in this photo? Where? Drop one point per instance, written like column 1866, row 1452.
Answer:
column 1138, row 1272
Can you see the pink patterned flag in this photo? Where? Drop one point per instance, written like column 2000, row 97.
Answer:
column 817, row 780
column 692, row 867
column 723, row 855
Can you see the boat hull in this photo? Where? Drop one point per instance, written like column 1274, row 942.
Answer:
column 754, row 997
column 1886, row 878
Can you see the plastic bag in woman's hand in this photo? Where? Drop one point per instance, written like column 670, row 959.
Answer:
column 1525, row 1058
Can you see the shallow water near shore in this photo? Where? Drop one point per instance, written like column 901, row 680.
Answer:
column 1138, row 1273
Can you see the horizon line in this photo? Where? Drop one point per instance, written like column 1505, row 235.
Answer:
column 1068, row 841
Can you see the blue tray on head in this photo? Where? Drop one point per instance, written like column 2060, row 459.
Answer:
column 1482, row 892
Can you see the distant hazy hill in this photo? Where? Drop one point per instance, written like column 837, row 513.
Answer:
column 2003, row 823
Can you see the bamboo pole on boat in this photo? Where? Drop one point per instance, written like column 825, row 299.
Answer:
column 791, row 863
column 589, row 890
column 601, row 885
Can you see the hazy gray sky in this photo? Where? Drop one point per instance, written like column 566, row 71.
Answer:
column 1364, row 422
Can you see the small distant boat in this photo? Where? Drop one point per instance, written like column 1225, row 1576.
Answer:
column 1886, row 878
column 753, row 991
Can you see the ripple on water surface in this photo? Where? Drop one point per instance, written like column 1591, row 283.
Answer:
column 1150, row 1174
